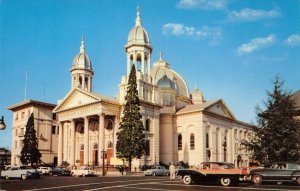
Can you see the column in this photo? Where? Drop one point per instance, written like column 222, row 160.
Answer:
column 72, row 144
column 148, row 65
column 143, row 63
column 86, row 141
column 83, row 81
column 101, row 136
column 128, row 64
column 60, row 143
column 65, row 142
column 116, row 129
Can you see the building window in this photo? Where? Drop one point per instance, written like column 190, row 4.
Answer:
column 179, row 142
column 16, row 144
column 54, row 116
column 147, row 149
column 207, row 140
column 147, row 125
column 53, row 129
column 22, row 115
column 235, row 133
column 109, row 145
column 192, row 141
column 16, row 132
column 17, row 117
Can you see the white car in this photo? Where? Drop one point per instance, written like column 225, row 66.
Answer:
column 23, row 172
column 83, row 171
column 44, row 169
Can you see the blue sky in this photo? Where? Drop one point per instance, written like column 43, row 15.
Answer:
column 230, row 49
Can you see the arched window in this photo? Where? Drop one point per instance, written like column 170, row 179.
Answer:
column 179, row 142
column 109, row 145
column 207, row 140
column 147, row 128
column 82, row 147
column 95, row 146
column 192, row 141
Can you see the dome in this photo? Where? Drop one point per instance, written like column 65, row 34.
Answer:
column 138, row 35
column 161, row 69
column 81, row 60
column 165, row 82
column 197, row 96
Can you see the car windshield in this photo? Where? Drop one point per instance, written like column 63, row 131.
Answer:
column 279, row 166
column 227, row 166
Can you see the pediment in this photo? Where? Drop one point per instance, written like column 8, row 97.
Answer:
column 221, row 109
column 76, row 98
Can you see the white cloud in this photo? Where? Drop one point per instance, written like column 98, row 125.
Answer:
column 175, row 29
column 247, row 15
column 293, row 40
column 203, row 4
column 256, row 44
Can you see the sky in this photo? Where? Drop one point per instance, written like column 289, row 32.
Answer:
column 229, row 49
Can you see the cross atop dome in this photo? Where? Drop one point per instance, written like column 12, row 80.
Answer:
column 138, row 21
column 82, row 48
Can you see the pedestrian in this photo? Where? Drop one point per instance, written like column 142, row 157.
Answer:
column 172, row 171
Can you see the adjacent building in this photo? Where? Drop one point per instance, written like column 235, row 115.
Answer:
column 45, row 125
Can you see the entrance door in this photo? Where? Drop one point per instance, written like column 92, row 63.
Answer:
column 108, row 155
column 81, row 158
column 95, row 157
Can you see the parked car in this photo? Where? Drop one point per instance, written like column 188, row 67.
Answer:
column 83, row 171
column 22, row 172
column 157, row 171
column 217, row 172
column 59, row 171
column 278, row 172
column 44, row 169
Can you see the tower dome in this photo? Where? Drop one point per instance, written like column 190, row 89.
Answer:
column 197, row 96
column 165, row 82
column 138, row 35
column 81, row 60
column 82, row 71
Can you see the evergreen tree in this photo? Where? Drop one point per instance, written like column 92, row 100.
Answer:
column 30, row 153
column 131, row 137
column 276, row 137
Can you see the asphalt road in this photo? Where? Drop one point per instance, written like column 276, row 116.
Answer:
column 125, row 183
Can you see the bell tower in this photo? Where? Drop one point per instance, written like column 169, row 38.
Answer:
column 82, row 71
column 138, row 51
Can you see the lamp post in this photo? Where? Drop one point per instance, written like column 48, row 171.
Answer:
column 2, row 123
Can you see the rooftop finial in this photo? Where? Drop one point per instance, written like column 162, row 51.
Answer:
column 82, row 48
column 138, row 21
column 160, row 56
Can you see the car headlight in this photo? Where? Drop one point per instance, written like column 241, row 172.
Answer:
column 28, row 173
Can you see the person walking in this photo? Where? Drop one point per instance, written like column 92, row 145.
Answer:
column 172, row 171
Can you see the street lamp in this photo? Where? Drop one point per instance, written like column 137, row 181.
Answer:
column 2, row 124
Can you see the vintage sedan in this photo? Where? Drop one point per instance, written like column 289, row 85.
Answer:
column 60, row 171
column 157, row 171
column 22, row 172
column 278, row 172
column 216, row 172
column 83, row 171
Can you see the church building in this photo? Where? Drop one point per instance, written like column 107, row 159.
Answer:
column 179, row 125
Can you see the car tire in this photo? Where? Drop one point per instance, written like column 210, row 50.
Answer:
column 23, row 176
column 298, row 180
column 6, row 177
column 153, row 174
column 257, row 180
column 225, row 181
column 83, row 175
column 187, row 179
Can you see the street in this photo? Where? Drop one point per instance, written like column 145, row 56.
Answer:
column 49, row 183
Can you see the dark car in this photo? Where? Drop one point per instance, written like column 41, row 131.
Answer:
column 213, row 172
column 59, row 171
column 278, row 172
